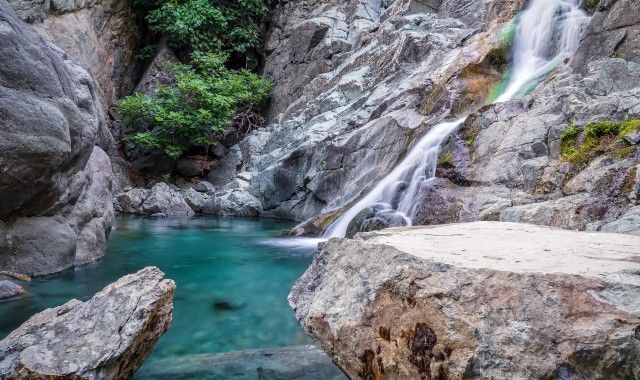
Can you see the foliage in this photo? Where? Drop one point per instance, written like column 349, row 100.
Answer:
column 206, row 25
column 201, row 103
column 598, row 138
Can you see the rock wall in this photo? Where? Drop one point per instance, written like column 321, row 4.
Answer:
column 356, row 83
column 55, row 186
column 101, row 35
column 106, row 337
column 505, row 163
column 484, row 300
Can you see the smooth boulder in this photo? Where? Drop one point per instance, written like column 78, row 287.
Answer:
column 478, row 300
column 106, row 337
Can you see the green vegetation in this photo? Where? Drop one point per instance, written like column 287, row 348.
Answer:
column 597, row 138
column 203, row 100
column 206, row 25
column 206, row 95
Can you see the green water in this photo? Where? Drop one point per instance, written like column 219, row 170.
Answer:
column 232, row 282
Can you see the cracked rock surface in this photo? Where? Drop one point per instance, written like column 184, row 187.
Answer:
column 106, row 337
column 478, row 300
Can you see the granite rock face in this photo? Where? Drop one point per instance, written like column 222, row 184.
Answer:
column 101, row 35
column 106, row 337
column 479, row 300
column 507, row 161
column 56, row 185
column 356, row 83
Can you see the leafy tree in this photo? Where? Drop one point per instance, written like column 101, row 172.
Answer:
column 207, row 25
column 191, row 112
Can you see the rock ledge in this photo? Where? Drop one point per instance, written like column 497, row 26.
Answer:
column 478, row 300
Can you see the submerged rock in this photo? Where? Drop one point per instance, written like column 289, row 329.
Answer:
column 479, row 300
column 106, row 337
column 286, row 363
column 10, row 290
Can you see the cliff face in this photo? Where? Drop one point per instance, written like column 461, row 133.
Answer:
column 55, row 185
column 100, row 35
column 357, row 83
column 506, row 161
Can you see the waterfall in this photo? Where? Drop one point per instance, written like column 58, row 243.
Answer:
column 548, row 31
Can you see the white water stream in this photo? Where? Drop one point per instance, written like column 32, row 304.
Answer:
column 548, row 31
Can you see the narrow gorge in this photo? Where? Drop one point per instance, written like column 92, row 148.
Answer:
column 439, row 189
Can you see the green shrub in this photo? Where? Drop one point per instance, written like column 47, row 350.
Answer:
column 206, row 25
column 200, row 104
column 598, row 138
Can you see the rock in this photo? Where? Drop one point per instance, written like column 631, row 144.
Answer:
column 356, row 84
column 629, row 222
column 196, row 200
column 286, row 363
column 10, row 290
column 162, row 199
column 56, row 186
column 157, row 73
column 193, row 166
column 130, row 201
column 106, row 337
column 101, row 35
column 234, row 202
column 376, row 217
column 480, row 300
column 204, row 187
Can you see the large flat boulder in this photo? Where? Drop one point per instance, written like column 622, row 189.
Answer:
column 107, row 337
column 479, row 300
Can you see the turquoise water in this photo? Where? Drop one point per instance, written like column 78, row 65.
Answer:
column 232, row 279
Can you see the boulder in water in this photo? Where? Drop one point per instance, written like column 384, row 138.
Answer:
column 10, row 290
column 106, row 337
column 479, row 300
column 374, row 218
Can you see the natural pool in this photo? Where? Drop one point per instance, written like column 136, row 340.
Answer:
column 233, row 276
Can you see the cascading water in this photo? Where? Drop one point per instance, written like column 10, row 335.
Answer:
column 548, row 31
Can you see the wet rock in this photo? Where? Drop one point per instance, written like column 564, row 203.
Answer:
column 286, row 363
column 374, row 218
column 108, row 336
column 479, row 300
column 10, row 290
